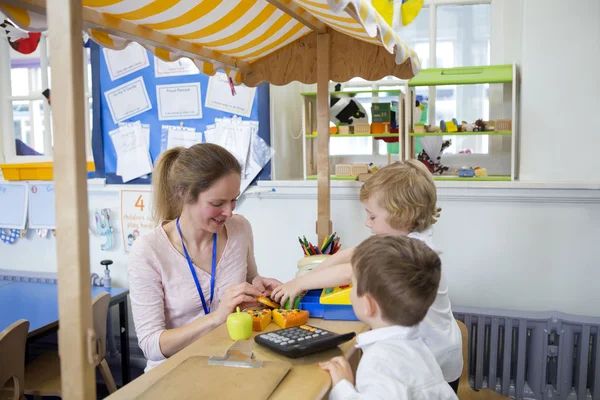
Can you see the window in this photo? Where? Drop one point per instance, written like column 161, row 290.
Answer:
column 462, row 38
column 25, row 113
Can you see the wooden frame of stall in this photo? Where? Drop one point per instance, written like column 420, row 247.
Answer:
column 318, row 57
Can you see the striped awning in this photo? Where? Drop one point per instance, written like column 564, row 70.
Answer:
column 225, row 35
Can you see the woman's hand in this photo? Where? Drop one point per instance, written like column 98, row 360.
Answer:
column 289, row 290
column 265, row 285
column 236, row 295
column 339, row 369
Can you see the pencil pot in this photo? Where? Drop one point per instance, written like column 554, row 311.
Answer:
column 307, row 263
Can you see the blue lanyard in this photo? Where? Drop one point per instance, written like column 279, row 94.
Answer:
column 212, row 276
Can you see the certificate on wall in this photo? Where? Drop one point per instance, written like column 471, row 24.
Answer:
column 13, row 205
column 128, row 100
column 41, row 206
column 179, row 101
column 123, row 62
column 136, row 215
column 183, row 66
column 220, row 97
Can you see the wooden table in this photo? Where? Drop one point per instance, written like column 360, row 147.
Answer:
column 304, row 381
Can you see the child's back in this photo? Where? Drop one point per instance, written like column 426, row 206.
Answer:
column 400, row 365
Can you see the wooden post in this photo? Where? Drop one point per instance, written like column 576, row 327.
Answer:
column 323, row 183
column 75, row 335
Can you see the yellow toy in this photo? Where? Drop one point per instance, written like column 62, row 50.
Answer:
column 337, row 295
column 260, row 319
column 290, row 318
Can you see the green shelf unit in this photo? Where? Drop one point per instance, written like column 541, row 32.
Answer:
column 355, row 92
column 499, row 178
column 374, row 135
column 463, row 76
column 333, row 178
column 490, row 133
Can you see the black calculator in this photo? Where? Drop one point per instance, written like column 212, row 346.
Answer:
column 302, row 340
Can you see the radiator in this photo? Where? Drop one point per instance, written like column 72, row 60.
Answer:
column 533, row 355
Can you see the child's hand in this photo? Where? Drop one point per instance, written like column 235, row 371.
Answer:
column 339, row 369
column 265, row 285
column 289, row 290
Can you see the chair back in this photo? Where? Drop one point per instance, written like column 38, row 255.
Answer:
column 12, row 356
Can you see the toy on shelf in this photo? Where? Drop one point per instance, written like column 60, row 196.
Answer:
column 345, row 110
column 449, row 126
column 345, row 130
column 431, row 155
column 471, row 172
column 480, row 126
column 362, row 128
column 503, row 124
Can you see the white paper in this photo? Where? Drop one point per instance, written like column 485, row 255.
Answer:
column 182, row 136
column 123, row 62
column 133, row 159
column 145, row 131
column 14, row 198
column 136, row 215
column 128, row 100
column 41, row 206
column 183, row 66
column 219, row 96
column 179, row 101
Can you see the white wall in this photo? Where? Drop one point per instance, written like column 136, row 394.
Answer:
column 560, row 95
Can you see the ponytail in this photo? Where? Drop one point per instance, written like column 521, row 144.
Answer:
column 166, row 203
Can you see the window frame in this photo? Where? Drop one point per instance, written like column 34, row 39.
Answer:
column 7, row 143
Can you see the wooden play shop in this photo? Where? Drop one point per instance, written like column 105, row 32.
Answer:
column 253, row 41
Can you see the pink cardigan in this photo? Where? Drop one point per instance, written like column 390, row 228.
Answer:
column 162, row 290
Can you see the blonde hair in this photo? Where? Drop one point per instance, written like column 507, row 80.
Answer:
column 406, row 190
column 181, row 174
column 401, row 274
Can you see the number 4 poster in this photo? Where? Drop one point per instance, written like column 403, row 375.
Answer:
column 136, row 215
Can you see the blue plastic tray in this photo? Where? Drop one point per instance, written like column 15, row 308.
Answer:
column 310, row 302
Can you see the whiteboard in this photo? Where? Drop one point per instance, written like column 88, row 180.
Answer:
column 13, row 205
column 41, row 206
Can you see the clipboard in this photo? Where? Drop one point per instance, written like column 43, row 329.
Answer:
column 237, row 375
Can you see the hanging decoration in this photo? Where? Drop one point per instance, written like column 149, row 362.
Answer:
column 103, row 226
column 21, row 41
column 9, row 236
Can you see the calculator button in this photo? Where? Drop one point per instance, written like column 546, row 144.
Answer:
column 305, row 327
column 291, row 341
column 323, row 333
column 300, row 339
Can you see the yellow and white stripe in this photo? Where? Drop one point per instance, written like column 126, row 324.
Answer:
column 243, row 30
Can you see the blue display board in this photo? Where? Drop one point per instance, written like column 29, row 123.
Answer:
column 260, row 112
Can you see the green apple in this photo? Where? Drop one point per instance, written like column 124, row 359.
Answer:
column 239, row 325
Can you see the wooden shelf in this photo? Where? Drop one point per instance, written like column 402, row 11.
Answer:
column 487, row 133
column 498, row 178
column 377, row 135
column 333, row 178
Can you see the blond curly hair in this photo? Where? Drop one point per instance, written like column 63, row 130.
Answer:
column 406, row 190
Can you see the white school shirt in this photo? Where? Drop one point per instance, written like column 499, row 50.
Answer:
column 439, row 329
column 396, row 364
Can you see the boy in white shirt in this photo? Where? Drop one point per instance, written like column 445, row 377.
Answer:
column 400, row 199
column 394, row 282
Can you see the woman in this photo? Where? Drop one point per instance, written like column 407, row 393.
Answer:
column 189, row 274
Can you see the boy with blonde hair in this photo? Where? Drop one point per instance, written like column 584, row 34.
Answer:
column 401, row 200
column 394, row 282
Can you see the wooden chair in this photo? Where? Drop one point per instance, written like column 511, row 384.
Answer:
column 465, row 391
column 12, row 360
column 42, row 375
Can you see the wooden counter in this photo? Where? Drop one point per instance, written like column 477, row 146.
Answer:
column 304, row 381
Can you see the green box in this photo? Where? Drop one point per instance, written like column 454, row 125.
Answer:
column 381, row 112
